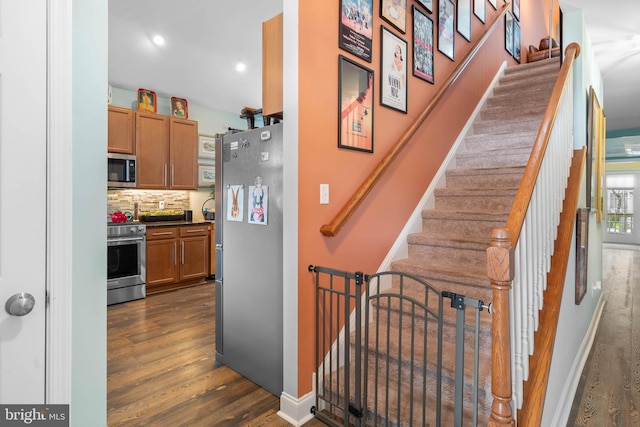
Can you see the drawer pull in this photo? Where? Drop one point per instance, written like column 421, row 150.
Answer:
column 196, row 231
column 162, row 234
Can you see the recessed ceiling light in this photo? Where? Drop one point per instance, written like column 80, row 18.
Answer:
column 240, row 67
column 158, row 40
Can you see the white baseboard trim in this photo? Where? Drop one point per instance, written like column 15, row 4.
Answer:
column 297, row 411
column 563, row 410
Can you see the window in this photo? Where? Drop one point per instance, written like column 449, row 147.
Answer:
column 620, row 189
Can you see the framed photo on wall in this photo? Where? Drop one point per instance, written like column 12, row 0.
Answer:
column 516, row 41
column 422, row 45
column 207, row 146
column 428, row 4
column 179, row 108
column 393, row 71
column 355, row 97
column 582, row 253
column 147, row 101
column 356, row 27
column 395, row 13
column 446, row 24
column 480, row 9
column 494, row 4
column 206, row 175
column 508, row 32
column 516, row 9
column 464, row 18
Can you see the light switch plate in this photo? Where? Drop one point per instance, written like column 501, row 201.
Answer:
column 324, row 194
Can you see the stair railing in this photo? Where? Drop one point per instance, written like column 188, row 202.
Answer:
column 518, row 257
column 331, row 229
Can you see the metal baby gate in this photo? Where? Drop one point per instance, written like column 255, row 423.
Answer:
column 381, row 356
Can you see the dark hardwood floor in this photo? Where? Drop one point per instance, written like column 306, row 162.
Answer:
column 160, row 367
column 608, row 393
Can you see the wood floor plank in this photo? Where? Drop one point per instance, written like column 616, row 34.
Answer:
column 608, row 393
column 161, row 367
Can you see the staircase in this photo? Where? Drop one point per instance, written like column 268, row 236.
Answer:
column 450, row 251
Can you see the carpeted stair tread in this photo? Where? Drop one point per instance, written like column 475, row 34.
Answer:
column 506, row 177
column 444, row 272
column 515, row 139
column 531, row 123
column 449, row 240
column 551, row 65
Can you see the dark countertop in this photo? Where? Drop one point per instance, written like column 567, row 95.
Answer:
column 175, row 223
column 167, row 223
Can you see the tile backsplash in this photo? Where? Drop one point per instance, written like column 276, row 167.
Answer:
column 148, row 200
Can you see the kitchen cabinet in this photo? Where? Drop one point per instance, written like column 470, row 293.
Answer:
column 167, row 152
column 177, row 256
column 121, row 130
column 272, row 45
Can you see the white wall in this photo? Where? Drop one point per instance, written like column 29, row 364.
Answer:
column 89, row 194
column 575, row 327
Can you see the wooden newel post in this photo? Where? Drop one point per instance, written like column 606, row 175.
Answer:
column 500, row 271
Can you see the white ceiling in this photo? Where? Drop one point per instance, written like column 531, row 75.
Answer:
column 205, row 39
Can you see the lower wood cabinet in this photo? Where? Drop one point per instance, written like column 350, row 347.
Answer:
column 177, row 256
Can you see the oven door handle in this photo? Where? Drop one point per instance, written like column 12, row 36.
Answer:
column 117, row 242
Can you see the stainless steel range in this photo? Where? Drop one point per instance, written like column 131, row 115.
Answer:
column 126, row 258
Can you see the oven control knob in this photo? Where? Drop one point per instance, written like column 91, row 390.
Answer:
column 20, row 304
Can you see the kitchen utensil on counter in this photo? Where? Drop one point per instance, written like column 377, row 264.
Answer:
column 117, row 216
column 188, row 215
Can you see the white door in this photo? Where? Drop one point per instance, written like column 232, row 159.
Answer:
column 23, row 150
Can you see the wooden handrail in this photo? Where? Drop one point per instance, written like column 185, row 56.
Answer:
column 530, row 175
column 365, row 188
column 500, row 263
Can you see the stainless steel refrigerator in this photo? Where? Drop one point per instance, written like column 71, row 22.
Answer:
column 249, row 254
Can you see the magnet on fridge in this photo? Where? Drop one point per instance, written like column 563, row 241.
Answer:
column 265, row 135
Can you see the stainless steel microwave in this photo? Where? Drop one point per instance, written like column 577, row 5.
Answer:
column 121, row 170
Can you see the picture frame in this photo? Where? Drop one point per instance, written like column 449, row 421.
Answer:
column 515, row 6
column 179, row 108
column 596, row 153
column 464, row 19
column 446, row 31
column 207, row 146
column 355, row 105
column 393, row 71
column 508, row 32
column 206, row 175
column 356, row 27
column 427, row 4
column 395, row 13
column 582, row 253
column 480, row 10
column 423, row 33
column 147, row 101
column 494, row 4
column 516, row 41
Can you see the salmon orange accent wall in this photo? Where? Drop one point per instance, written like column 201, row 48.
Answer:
column 364, row 242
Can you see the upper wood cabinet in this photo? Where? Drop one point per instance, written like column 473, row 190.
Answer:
column 121, row 133
column 183, row 154
column 167, row 152
column 272, row 40
column 152, row 150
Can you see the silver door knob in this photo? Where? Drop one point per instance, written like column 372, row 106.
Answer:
column 20, row 304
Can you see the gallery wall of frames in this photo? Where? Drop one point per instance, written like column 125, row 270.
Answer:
column 426, row 26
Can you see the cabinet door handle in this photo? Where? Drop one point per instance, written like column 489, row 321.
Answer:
column 196, row 231
column 175, row 259
column 182, row 249
column 165, row 175
column 172, row 174
column 162, row 234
